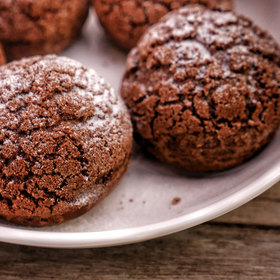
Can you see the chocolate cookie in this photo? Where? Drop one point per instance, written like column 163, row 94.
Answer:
column 126, row 21
column 2, row 56
column 39, row 27
column 65, row 140
column 203, row 89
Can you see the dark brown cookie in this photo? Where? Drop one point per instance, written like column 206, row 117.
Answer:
column 65, row 140
column 2, row 56
column 126, row 21
column 203, row 89
column 40, row 27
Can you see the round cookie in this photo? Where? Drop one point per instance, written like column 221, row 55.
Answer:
column 65, row 140
column 203, row 89
column 126, row 21
column 2, row 56
column 40, row 27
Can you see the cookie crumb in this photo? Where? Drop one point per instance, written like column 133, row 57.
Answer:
column 176, row 200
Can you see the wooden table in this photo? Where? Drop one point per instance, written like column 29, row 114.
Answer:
column 242, row 245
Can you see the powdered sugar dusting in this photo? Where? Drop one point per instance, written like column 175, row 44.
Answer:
column 193, row 50
column 88, row 196
column 225, row 18
column 107, row 105
column 53, row 97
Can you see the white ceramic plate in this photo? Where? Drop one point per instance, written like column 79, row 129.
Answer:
column 142, row 206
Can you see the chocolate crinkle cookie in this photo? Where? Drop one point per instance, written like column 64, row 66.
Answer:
column 203, row 89
column 31, row 27
column 2, row 56
column 126, row 21
column 65, row 140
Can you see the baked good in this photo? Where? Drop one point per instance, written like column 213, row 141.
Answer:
column 126, row 21
column 2, row 56
column 40, row 27
column 65, row 140
column 203, row 89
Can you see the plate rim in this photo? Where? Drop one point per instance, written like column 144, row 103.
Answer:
column 49, row 239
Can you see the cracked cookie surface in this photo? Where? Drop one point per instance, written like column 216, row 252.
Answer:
column 126, row 20
column 65, row 140
column 40, row 27
column 203, row 89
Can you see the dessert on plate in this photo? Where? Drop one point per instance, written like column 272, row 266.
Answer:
column 65, row 140
column 40, row 27
column 126, row 21
column 203, row 89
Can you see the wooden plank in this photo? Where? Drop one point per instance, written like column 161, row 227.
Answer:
column 207, row 252
column 264, row 210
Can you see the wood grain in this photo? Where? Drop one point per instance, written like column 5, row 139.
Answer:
column 264, row 210
column 207, row 252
